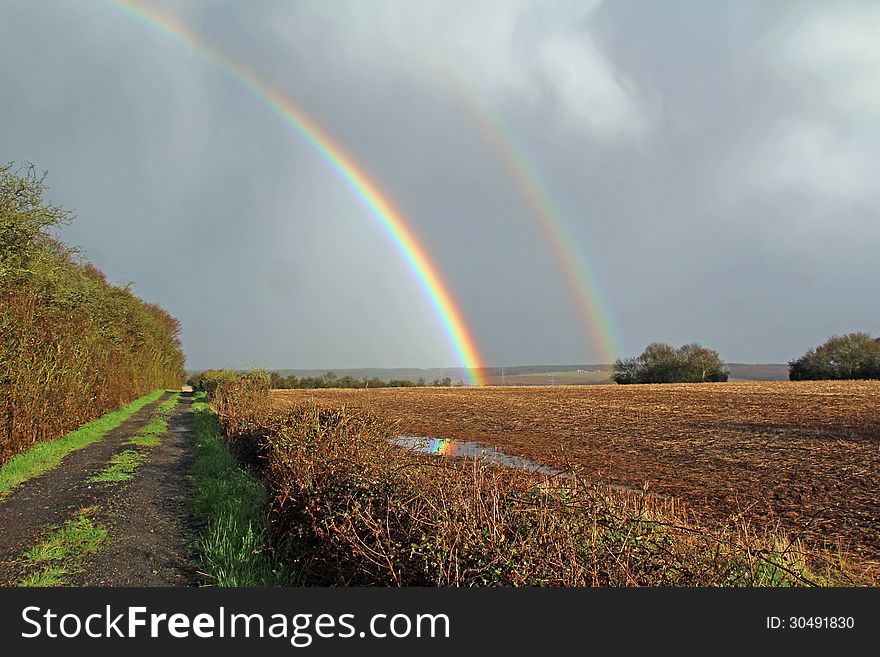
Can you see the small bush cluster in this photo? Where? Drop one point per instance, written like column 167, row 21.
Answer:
column 209, row 380
column 852, row 356
column 72, row 346
column 663, row 363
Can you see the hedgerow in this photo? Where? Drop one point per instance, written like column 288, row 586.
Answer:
column 72, row 346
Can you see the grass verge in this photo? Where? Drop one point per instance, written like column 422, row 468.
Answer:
column 234, row 547
column 44, row 456
column 64, row 550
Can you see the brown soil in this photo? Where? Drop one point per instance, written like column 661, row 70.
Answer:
column 801, row 455
column 147, row 516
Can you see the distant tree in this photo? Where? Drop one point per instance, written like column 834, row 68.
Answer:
column 702, row 364
column 663, row 363
column 660, row 363
column 208, row 380
column 851, row 356
column 626, row 370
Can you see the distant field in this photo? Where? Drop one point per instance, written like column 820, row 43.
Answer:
column 534, row 375
column 758, row 372
column 804, row 455
column 559, row 378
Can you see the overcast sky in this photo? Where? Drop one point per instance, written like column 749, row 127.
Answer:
column 716, row 163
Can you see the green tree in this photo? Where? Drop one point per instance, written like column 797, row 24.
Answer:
column 25, row 219
column 851, row 356
column 663, row 363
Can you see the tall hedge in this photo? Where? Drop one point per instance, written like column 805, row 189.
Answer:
column 72, row 346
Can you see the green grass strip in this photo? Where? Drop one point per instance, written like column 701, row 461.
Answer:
column 151, row 434
column 64, row 550
column 234, row 547
column 44, row 456
column 123, row 464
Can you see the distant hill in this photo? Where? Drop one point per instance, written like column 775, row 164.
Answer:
column 385, row 373
column 540, row 375
column 531, row 375
column 516, row 375
column 758, row 372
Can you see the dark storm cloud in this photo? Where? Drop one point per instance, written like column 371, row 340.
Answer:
column 715, row 161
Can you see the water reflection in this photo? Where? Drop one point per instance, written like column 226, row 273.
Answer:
column 450, row 447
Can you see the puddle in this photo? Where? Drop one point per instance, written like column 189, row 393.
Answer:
column 452, row 448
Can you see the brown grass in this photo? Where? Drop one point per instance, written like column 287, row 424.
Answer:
column 800, row 456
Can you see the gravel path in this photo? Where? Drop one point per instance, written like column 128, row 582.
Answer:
column 147, row 516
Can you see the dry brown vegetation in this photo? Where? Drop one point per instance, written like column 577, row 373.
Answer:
column 349, row 507
column 72, row 346
column 803, row 457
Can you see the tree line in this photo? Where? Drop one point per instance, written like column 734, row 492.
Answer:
column 209, row 378
column 851, row 356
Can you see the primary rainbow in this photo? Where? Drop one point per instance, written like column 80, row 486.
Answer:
column 392, row 221
column 579, row 278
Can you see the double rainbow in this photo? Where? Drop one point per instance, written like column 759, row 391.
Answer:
column 579, row 278
column 396, row 226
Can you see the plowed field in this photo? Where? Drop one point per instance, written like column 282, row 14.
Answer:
column 801, row 455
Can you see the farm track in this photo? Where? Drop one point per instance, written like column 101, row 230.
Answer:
column 802, row 456
column 147, row 516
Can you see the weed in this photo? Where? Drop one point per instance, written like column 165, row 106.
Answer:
column 63, row 551
column 122, row 466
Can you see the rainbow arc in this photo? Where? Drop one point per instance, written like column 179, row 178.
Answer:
column 392, row 221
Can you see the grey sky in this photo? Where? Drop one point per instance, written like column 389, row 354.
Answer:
column 717, row 164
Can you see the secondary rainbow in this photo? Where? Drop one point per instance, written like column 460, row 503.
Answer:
column 581, row 281
column 392, row 221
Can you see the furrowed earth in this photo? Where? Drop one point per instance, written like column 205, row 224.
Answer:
column 800, row 456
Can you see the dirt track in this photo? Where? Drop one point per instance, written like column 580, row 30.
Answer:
column 147, row 516
column 805, row 455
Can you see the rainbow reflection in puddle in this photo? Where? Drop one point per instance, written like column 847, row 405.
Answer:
column 452, row 448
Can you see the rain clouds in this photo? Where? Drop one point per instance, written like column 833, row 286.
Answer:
column 714, row 163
